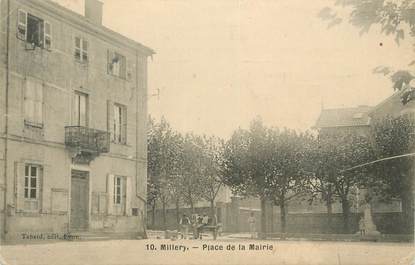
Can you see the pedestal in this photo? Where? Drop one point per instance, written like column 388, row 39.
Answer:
column 371, row 232
column 370, row 227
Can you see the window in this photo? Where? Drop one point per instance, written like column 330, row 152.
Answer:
column 120, row 196
column 34, row 30
column 119, row 131
column 117, row 64
column 33, row 102
column 118, row 190
column 31, row 182
column 32, row 187
column 81, row 109
column 81, row 49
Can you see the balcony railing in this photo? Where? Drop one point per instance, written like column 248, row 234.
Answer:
column 87, row 139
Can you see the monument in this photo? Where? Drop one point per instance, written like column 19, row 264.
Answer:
column 371, row 232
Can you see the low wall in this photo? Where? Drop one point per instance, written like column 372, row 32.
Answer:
column 236, row 220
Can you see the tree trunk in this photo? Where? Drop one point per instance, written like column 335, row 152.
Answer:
column 164, row 215
column 329, row 216
column 178, row 213
column 263, row 218
column 283, row 218
column 346, row 213
column 153, row 214
column 329, row 205
column 192, row 206
column 272, row 219
column 213, row 211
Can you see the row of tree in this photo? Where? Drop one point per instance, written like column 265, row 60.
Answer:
column 182, row 169
column 280, row 165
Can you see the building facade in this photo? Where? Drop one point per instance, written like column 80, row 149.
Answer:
column 73, row 151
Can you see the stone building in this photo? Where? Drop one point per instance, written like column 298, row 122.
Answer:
column 72, row 122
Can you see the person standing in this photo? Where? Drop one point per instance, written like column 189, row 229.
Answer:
column 251, row 221
column 184, row 224
column 362, row 226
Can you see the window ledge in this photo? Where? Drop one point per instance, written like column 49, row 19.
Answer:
column 33, row 125
column 121, row 144
column 83, row 63
column 29, row 213
column 119, row 77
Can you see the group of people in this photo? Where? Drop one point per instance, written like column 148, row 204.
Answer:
column 362, row 226
column 196, row 222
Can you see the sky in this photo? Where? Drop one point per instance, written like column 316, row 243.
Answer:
column 220, row 63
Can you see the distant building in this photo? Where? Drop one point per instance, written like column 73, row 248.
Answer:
column 344, row 120
column 393, row 106
column 72, row 122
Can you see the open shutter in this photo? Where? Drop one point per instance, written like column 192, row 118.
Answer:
column 47, row 36
column 124, row 126
column 44, row 190
column 73, row 110
column 22, row 24
column 110, row 193
column 110, row 119
column 128, row 196
column 19, row 170
column 129, row 69
column 110, row 56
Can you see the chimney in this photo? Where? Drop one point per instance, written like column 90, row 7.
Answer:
column 93, row 11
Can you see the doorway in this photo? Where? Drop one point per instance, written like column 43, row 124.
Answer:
column 79, row 200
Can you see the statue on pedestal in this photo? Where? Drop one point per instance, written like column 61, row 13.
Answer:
column 370, row 227
column 367, row 227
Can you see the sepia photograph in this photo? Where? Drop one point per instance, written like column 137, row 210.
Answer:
column 187, row 132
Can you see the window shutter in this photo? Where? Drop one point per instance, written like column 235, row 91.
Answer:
column 74, row 110
column 110, row 119
column 124, row 126
column 45, row 192
column 19, row 170
column 29, row 96
column 110, row 56
column 39, row 102
column 110, row 193
column 129, row 70
column 22, row 24
column 123, row 67
column 128, row 196
column 84, row 50
column 77, row 48
column 47, row 36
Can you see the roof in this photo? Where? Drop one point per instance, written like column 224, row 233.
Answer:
column 393, row 99
column 344, row 117
column 85, row 24
column 392, row 105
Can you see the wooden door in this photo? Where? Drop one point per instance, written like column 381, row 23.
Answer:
column 79, row 200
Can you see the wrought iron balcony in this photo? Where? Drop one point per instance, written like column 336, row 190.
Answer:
column 85, row 139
